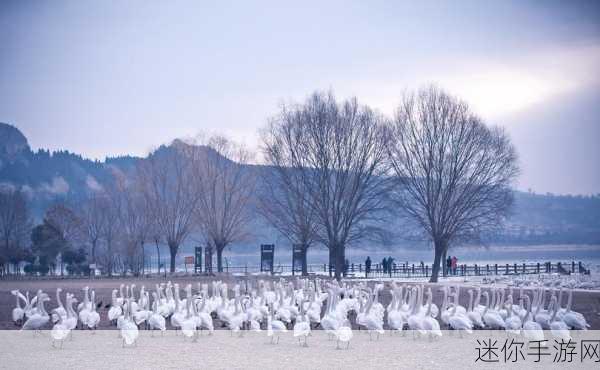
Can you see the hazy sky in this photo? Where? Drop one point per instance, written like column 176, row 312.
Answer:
column 120, row 77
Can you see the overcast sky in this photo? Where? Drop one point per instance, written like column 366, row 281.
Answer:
column 120, row 77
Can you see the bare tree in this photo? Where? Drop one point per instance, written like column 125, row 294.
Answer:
column 453, row 173
column 134, row 220
column 93, row 219
column 167, row 185
column 15, row 226
column 65, row 219
column 225, row 185
column 284, row 203
column 110, row 207
column 66, row 222
column 337, row 153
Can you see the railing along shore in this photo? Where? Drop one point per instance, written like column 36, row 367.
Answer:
column 353, row 270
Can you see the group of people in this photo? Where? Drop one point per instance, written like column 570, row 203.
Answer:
column 451, row 264
column 388, row 265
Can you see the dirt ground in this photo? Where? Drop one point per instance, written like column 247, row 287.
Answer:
column 585, row 302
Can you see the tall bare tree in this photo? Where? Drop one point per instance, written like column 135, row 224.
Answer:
column 15, row 225
column 65, row 219
column 285, row 204
column 454, row 174
column 66, row 222
column 337, row 153
column 168, row 188
column 225, row 186
column 93, row 219
column 110, row 207
column 135, row 221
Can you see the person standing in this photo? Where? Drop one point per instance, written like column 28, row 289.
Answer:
column 453, row 264
column 367, row 266
column 384, row 265
column 390, row 265
column 449, row 265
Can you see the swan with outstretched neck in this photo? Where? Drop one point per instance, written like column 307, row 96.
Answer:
column 18, row 312
column 40, row 318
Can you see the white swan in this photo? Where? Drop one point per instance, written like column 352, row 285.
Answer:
column 93, row 318
column 59, row 331
column 415, row 319
column 473, row 315
column 40, row 318
column 18, row 312
column 573, row 319
column 531, row 329
column 558, row 328
column 275, row 328
column 302, row 326
column 129, row 330
column 396, row 318
column 490, row 316
column 156, row 321
column 189, row 323
column 513, row 322
column 459, row 320
column 430, row 324
column 373, row 319
column 71, row 320
column 59, row 312
column 115, row 309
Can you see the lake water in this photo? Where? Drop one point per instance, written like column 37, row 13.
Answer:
column 588, row 254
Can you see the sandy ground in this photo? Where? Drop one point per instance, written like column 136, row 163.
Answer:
column 26, row 350
column 585, row 302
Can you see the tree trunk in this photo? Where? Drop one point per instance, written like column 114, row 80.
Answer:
column 143, row 259
column 173, row 250
column 110, row 258
column 94, row 252
column 158, row 256
column 219, row 258
column 304, row 260
column 440, row 249
column 444, row 268
column 340, row 261
column 331, row 258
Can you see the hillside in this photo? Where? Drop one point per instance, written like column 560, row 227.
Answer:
column 46, row 176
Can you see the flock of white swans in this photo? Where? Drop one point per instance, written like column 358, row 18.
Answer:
column 280, row 306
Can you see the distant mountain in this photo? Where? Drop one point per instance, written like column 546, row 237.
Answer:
column 46, row 177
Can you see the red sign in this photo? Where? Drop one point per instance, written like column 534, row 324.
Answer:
column 189, row 260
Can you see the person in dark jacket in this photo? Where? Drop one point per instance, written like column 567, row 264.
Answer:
column 367, row 266
column 449, row 265
column 390, row 265
column 384, row 265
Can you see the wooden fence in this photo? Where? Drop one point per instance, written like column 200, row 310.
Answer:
column 398, row 270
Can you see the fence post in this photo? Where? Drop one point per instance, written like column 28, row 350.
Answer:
column 507, row 269
column 324, row 267
column 413, row 268
column 427, row 271
column 495, row 268
column 487, row 269
column 538, row 268
column 572, row 267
